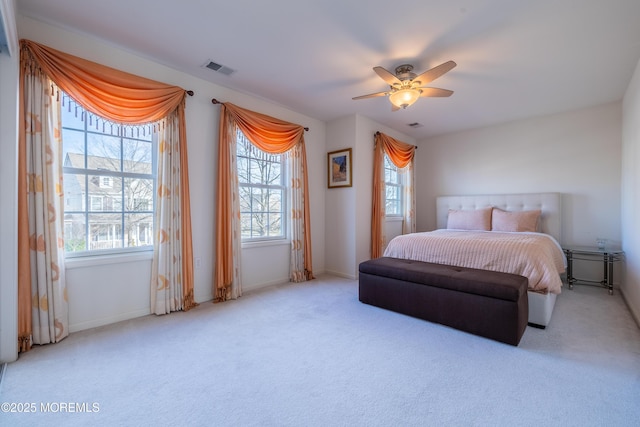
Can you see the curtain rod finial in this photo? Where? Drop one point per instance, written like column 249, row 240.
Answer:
column 215, row 101
column 190, row 92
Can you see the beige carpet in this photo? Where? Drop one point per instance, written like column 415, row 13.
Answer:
column 312, row 354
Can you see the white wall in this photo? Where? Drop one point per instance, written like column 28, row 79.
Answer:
column 348, row 211
column 630, row 196
column 104, row 293
column 576, row 153
column 340, row 221
column 8, row 189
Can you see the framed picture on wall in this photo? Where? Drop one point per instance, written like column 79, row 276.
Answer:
column 340, row 172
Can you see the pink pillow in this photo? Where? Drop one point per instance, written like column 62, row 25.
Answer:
column 514, row 221
column 478, row 219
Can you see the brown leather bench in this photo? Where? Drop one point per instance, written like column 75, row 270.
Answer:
column 486, row 303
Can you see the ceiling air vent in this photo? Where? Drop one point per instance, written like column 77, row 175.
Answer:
column 222, row 69
column 414, row 125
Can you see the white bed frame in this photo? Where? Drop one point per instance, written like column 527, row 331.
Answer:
column 540, row 305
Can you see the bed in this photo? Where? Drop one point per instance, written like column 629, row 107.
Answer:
column 539, row 255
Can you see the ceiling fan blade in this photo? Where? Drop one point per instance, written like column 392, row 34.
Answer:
column 387, row 76
column 371, row 95
column 432, row 74
column 435, row 92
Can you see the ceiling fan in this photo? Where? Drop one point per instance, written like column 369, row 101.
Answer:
column 406, row 86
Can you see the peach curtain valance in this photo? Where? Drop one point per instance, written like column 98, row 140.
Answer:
column 267, row 133
column 400, row 153
column 109, row 93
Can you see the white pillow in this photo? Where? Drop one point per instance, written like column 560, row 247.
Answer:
column 477, row 219
column 515, row 220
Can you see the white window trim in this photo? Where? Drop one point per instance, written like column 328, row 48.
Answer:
column 256, row 243
column 92, row 259
column 394, row 218
column 248, row 242
column 401, row 185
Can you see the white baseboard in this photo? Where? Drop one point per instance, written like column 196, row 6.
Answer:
column 635, row 315
column 94, row 323
column 3, row 367
column 202, row 298
column 343, row 275
column 257, row 286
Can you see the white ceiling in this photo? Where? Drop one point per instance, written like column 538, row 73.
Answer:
column 516, row 58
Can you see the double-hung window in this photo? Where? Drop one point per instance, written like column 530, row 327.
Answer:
column 263, row 193
column 394, row 189
column 109, row 184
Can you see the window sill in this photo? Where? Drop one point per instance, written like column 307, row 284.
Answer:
column 93, row 260
column 265, row 243
column 394, row 218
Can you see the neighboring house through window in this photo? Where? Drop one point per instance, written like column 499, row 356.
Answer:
column 261, row 182
column 109, row 182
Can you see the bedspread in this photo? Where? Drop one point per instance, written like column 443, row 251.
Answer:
column 536, row 256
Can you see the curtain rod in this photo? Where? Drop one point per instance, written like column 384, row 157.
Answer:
column 378, row 133
column 215, row 101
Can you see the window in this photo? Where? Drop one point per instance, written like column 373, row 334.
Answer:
column 393, row 187
column 109, row 183
column 106, row 182
column 261, row 184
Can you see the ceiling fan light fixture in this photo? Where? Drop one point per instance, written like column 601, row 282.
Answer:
column 404, row 97
column 405, row 86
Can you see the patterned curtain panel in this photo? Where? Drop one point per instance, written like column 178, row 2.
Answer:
column 401, row 154
column 167, row 293
column 273, row 136
column 409, row 211
column 41, row 222
column 299, row 215
column 227, row 282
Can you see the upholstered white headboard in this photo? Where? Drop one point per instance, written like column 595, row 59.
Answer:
column 549, row 203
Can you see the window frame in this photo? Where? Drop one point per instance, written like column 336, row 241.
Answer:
column 116, row 178
column 282, row 187
column 399, row 184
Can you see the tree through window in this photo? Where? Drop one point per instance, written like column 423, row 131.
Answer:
column 262, row 192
